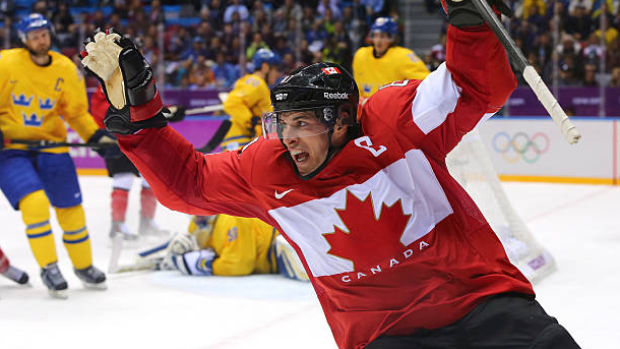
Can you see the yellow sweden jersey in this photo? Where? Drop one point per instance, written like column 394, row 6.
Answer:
column 33, row 99
column 243, row 245
column 398, row 63
column 245, row 104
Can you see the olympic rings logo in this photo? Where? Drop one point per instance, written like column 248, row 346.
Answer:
column 521, row 146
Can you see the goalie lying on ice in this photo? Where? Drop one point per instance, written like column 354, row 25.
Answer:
column 231, row 246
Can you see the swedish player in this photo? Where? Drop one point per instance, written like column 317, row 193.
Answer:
column 37, row 87
column 384, row 62
column 249, row 99
column 225, row 245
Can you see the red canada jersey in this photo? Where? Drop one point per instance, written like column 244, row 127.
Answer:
column 99, row 106
column 391, row 242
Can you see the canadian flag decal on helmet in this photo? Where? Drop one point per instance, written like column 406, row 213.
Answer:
column 331, row 70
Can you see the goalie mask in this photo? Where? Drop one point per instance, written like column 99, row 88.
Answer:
column 326, row 89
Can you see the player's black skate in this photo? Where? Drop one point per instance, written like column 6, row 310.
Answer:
column 55, row 282
column 17, row 275
column 91, row 277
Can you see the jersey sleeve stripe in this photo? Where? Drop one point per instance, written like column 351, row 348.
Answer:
column 436, row 97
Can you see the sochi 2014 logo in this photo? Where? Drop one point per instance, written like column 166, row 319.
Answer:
column 521, row 146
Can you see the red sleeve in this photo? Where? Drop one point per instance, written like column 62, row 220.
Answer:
column 437, row 112
column 99, row 106
column 188, row 181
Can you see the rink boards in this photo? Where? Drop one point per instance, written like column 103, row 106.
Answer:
column 521, row 148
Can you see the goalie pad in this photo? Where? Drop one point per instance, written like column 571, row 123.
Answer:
column 289, row 264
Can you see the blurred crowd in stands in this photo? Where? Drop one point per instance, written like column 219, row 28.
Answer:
column 209, row 43
column 583, row 59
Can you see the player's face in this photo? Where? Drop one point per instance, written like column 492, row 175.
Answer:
column 39, row 41
column 306, row 139
column 381, row 42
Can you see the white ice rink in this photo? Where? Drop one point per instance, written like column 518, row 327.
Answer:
column 579, row 224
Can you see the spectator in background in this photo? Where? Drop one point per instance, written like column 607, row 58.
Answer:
column 157, row 12
column 579, row 23
column 613, row 55
column 204, row 31
column 332, row 5
column 374, row 8
column 615, row 77
column 235, row 7
column 316, row 35
column 328, row 22
column 543, row 47
column 224, row 73
column 64, row 25
column 41, row 8
column 292, row 10
column 533, row 7
column 281, row 48
column 594, row 51
column 97, row 20
column 201, row 75
column 611, row 33
column 256, row 44
column 568, row 74
column 197, row 49
column 279, row 23
column 589, row 76
column 7, row 9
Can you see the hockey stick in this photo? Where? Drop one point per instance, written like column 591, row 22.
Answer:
column 43, row 144
column 541, row 90
column 141, row 264
column 206, row 109
column 146, row 260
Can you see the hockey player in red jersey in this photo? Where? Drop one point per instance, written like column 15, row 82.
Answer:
column 397, row 252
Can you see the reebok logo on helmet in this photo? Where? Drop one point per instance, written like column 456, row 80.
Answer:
column 335, row 95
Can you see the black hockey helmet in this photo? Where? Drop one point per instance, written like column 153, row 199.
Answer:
column 326, row 88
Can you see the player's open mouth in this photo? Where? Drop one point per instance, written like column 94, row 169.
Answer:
column 299, row 156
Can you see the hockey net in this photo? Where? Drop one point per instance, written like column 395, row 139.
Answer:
column 470, row 164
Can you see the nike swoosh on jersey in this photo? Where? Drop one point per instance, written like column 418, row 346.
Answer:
column 282, row 194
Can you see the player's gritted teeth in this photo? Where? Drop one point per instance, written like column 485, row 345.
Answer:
column 299, row 156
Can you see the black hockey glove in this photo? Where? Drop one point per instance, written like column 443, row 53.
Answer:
column 127, row 81
column 176, row 113
column 463, row 13
column 1, row 141
column 109, row 148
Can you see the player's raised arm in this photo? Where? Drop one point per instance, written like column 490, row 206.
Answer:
column 181, row 178
column 470, row 87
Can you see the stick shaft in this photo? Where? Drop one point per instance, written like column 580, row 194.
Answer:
column 529, row 73
column 49, row 144
column 207, row 109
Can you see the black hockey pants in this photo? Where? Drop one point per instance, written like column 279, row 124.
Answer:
column 506, row 321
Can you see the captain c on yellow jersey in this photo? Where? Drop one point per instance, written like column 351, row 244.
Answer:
column 249, row 99
column 383, row 63
column 39, row 91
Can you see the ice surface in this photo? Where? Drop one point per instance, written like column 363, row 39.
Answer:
column 579, row 224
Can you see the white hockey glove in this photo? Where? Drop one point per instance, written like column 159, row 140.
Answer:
column 196, row 262
column 182, row 243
